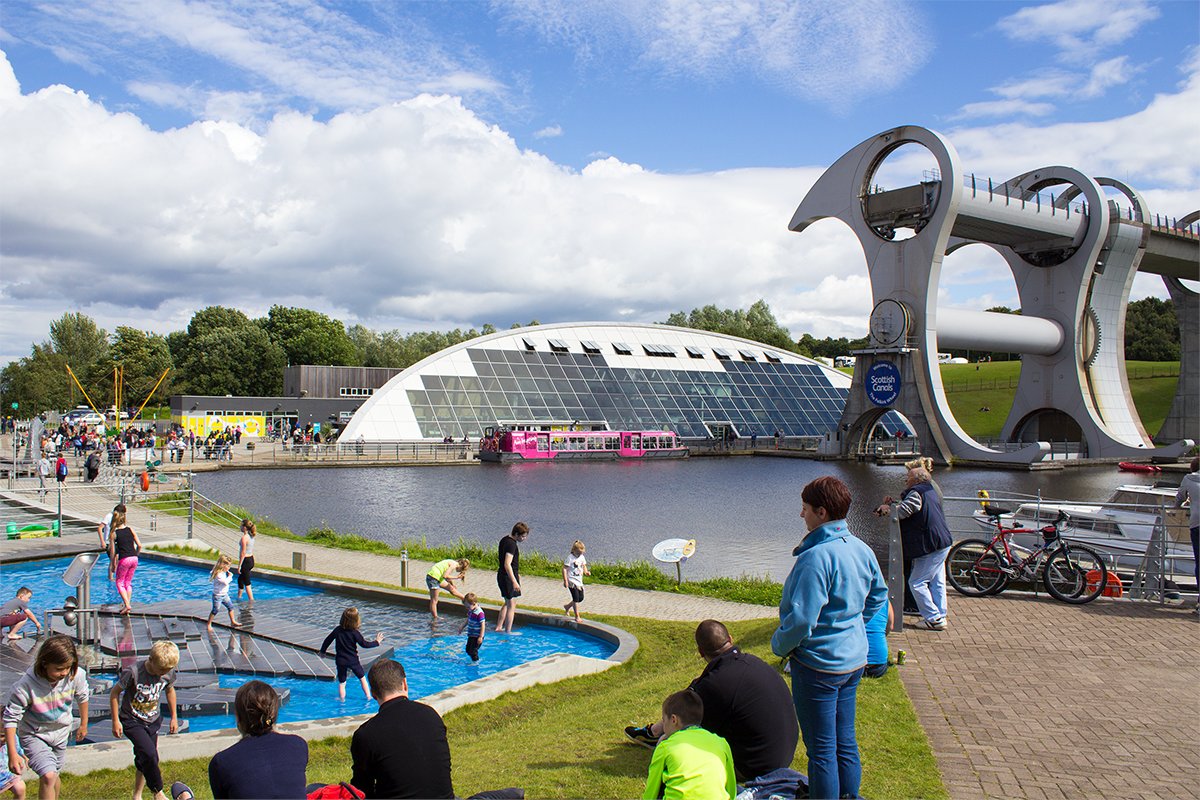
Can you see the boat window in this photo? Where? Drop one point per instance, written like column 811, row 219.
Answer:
column 590, row 347
column 747, row 355
column 694, row 352
column 622, row 349
column 635, row 441
column 723, row 355
column 529, row 345
column 558, row 346
column 543, row 443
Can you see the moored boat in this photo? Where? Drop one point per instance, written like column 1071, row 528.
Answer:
column 506, row 447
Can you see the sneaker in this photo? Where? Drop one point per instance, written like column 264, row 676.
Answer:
column 938, row 624
column 642, row 736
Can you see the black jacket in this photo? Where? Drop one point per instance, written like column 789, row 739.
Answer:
column 402, row 752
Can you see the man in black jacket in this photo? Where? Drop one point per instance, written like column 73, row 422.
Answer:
column 746, row 702
column 401, row 751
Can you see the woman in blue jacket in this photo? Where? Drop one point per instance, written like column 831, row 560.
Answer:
column 834, row 587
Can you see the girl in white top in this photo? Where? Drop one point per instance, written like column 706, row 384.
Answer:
column 221, row 578
column 574, row 568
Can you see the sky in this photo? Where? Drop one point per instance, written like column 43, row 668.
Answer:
column 432, row 165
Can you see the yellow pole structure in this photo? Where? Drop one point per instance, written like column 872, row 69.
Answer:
column 147, row 400
column 80, row 385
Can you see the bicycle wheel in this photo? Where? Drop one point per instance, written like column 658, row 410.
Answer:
column 1075, row 574
column 973, row 568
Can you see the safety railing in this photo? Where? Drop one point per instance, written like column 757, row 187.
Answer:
column 1141, row 534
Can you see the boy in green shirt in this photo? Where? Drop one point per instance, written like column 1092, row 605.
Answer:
column 689, row 762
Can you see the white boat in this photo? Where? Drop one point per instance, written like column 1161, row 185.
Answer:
column 1120, row 528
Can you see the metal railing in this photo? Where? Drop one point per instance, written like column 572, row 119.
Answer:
column 1149, row 549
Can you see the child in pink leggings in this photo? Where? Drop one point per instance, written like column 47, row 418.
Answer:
column 127, row 546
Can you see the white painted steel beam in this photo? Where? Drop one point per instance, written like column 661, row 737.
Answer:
column 959, row 329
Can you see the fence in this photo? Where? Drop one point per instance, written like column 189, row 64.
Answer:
column 982, row 384
column 1140, row 533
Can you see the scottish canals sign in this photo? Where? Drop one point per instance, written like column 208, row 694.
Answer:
column 883, row 383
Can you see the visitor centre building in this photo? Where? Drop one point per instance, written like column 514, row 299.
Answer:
column 605, row 376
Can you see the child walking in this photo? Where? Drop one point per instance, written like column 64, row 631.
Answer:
column 475, row 625
column 38, row 713
column 135, row 703
column 349, row 639
column 221, row 578
column 574, row 568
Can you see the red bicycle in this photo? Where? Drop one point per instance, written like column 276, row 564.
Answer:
column 1073, row 573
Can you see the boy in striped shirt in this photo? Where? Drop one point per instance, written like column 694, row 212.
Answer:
column 474, row 627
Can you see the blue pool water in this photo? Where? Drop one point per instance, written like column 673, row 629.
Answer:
column 433, row 655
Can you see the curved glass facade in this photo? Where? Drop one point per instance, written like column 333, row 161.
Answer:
column 606, row 376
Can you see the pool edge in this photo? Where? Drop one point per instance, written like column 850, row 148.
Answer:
column 84, row 759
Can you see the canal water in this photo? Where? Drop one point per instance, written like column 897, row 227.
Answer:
column 743, row 512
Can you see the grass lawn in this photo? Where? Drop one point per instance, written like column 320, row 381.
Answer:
column 566, row 739
column 994, row 385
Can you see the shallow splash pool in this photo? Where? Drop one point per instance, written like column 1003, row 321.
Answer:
column 433, row 655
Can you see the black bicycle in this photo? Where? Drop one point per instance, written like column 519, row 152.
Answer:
column 1071, row 572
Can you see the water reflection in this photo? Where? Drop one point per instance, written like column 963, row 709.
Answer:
column 743, row 512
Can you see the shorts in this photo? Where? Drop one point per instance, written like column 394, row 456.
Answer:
column 507, row 590
column 576, row 593
column 356, row 668
column 244, row 570
column 218, row 601
column 432, row 582
column 44, row 758
column 8, row 620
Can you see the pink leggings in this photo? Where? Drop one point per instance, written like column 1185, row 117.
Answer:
column 125, row 569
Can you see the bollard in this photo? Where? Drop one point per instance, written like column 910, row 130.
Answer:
column 300, row 561
column 404, row 568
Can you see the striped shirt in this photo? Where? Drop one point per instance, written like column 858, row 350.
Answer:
column 475, row 622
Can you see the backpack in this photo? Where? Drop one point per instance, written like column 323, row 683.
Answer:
column 61, row 470
column 336, row 791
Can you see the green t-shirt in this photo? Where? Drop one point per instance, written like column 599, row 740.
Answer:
column 691, row 764
column 439, row 570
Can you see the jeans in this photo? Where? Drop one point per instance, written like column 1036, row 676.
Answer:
column 825, row 705
column 928, row 583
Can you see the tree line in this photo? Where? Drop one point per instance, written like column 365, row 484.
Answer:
column 223, row 351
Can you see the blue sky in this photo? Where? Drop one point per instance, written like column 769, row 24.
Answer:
column 431, row 165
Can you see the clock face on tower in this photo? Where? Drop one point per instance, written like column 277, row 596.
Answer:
column 889, row 322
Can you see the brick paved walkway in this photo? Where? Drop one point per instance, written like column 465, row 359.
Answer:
column 1026, row 697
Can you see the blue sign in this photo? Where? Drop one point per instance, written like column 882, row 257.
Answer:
column 883, row 383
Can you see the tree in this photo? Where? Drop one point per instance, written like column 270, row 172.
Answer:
column 143, row 358
column 310, row 337
column 225, row 352
column 235, row 361
column 757, row 324
column 1151, row 330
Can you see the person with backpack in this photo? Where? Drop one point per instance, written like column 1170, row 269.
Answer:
column 60, row 470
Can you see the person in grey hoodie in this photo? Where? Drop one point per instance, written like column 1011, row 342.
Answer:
column 1189, row 491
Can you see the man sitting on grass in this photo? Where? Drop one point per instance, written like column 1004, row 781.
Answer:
column 689, row 762
column 745, row 701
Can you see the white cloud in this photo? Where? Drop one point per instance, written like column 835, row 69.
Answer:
column 1079, row 28
column 832, row 52
column 549, row 132
column 282, row 50
column 1003, row 108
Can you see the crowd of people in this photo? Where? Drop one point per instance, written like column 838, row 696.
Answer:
column 732, row 732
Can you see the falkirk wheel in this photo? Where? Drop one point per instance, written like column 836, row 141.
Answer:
column 1073, row 255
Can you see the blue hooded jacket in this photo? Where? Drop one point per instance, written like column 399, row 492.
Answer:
column 834, row 587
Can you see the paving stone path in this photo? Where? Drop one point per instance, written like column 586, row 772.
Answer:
column 1026, row 697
